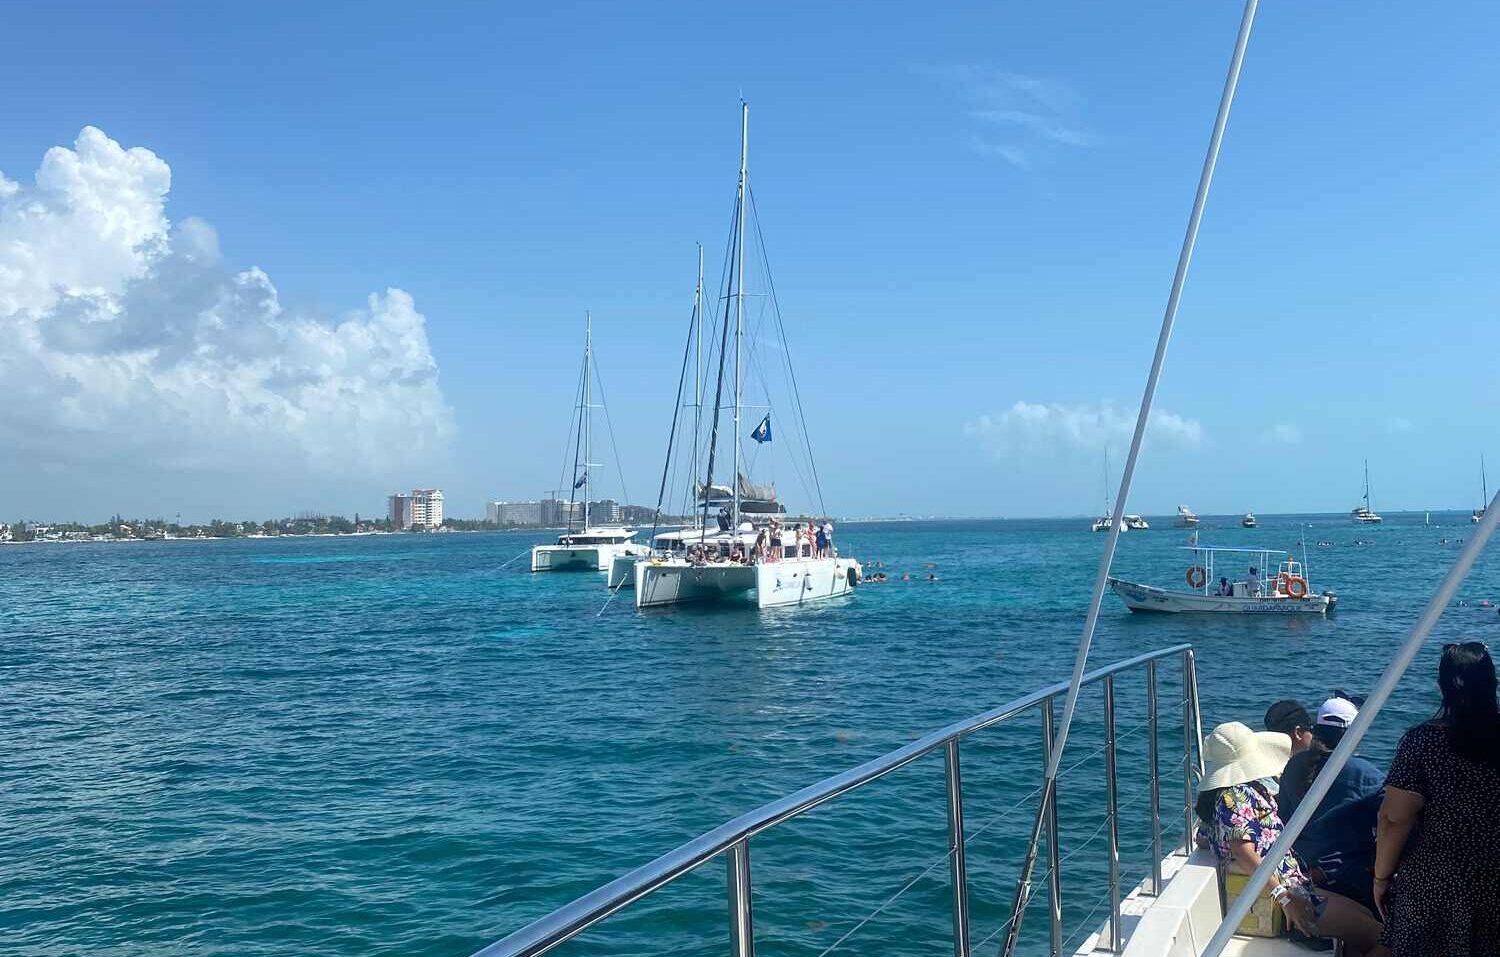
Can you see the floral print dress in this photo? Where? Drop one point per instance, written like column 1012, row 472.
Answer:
column 1245, row 812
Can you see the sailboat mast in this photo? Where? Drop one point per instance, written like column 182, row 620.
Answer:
column 698, row 361
column 1367, row 483
column 1484, row 482
column 739, row 305
column 588, row 409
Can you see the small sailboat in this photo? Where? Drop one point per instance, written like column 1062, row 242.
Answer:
column 1103, row 523
column 1136, row 522
column 589, row 547
column 1478, row 514
column 1363, row 514
column 1248, row 521
column 1186, row 517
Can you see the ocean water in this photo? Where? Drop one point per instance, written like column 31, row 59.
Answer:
column 394, row 745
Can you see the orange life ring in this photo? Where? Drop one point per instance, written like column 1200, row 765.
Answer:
column 1196, row 576
column 1296, row 587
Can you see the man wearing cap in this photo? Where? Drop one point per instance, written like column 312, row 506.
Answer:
column 1358, row 778
column 1291, row 719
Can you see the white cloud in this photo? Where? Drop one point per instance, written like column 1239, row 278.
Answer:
column 122, row 334
column 1029, row 427
column 1016, row 116
column 1400, row 424
column 1282, row 433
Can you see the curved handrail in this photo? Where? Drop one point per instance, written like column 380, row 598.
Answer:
column 571, row 919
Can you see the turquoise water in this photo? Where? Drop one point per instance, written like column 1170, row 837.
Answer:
column 391, row 745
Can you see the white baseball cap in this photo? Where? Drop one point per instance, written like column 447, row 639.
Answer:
column 1337, row 713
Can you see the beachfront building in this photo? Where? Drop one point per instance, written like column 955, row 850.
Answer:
column 423, row 508
column 513, row 513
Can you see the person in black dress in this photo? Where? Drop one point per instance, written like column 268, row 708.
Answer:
column 1438, row 884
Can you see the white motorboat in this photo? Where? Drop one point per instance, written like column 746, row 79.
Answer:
column 1135, row 522
column 1248, row 521
column 593, row 547
column 1186, row 517
column 1288, row 592
column 727, row 566
column 1103, row 524
column 1363, row 514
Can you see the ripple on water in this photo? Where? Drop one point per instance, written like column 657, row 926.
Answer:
column 393, row 746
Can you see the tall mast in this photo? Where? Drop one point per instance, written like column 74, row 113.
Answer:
column 1367, row 483
column 1484, row 483
column 588, row 409
column 698, row 361
column 739, row 304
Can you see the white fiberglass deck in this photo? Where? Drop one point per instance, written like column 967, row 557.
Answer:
column 791, row 581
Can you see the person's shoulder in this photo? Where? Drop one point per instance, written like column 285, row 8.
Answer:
column 1428, row 734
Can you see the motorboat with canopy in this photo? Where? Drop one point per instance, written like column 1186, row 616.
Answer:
column 1286, row 592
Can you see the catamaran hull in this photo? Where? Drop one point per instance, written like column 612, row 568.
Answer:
column 622, row 571
column 579, row 558
column 1148, row 598
column 795, row 581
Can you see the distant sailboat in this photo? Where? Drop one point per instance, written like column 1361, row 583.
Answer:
column 1484, row 499
column 1186, row 517
column 1102, row 524
column 1363, row 514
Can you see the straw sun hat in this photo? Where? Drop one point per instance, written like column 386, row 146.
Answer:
column 1233, row 754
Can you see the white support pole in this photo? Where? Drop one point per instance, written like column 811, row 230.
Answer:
column 1080, row 661
column 1357, row 729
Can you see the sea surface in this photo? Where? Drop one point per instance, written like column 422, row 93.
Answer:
column 404, row 745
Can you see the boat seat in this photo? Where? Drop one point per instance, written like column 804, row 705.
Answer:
column 1181, row 921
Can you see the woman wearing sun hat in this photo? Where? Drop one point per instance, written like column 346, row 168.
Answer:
column 1237, row 805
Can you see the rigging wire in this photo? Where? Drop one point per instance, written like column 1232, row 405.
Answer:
column 786, row 348
column 666, row 468
column 610, row 426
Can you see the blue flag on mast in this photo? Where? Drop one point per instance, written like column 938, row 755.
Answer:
column 581, row 479
column 762, row 432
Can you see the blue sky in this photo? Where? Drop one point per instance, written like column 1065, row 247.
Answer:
column 972, row 212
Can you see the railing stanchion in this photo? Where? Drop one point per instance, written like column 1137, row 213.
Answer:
column 1151, row 758
column 1054, row 862
column 1112, row 809
column 741, row 924
column 957, row 867
column 1187, row 752
column 1192, row 684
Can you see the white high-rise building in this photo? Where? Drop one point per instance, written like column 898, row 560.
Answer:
column 423, row 508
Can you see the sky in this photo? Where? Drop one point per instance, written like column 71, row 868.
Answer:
column 291, row 260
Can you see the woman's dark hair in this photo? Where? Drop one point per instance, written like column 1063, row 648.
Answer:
column 1324, row 739
column 1466, row 677
column 1205, row 805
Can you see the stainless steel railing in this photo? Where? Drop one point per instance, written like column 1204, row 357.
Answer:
column 732, row 839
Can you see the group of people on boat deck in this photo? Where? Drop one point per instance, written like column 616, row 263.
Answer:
column 1405, row 862
column 773, row 543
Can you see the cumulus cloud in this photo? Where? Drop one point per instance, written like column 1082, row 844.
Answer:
column 122, row 333
column 1030, row 427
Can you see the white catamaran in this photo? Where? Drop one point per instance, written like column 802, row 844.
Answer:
column 588, row 548
column 755, row 557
